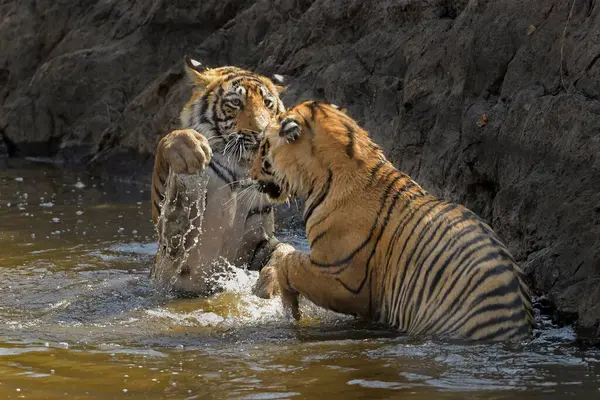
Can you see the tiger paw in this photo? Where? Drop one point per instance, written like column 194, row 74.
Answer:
column 185, row 151
column 267, row 285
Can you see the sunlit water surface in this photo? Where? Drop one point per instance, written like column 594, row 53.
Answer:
column 79, row 319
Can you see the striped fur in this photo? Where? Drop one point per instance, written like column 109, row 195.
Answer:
column 222, row 125
column 381, row 247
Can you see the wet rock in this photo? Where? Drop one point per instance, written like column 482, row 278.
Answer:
column 489, row 103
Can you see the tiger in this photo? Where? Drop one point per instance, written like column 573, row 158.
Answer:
column 381, row 247
column 207, row 212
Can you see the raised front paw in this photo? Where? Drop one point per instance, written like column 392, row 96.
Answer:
column 267, row 285
column 185, row 151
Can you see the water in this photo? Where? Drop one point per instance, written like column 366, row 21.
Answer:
column 79, row 319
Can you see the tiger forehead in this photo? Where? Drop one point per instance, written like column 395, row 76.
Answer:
column 250, row 85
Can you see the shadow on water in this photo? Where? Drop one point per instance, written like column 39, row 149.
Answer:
column 79, row 318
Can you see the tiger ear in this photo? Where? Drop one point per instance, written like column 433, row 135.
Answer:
column 196, row 72
column 340, row 109
column 279, row 80
column 290, row 130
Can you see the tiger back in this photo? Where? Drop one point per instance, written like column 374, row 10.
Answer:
column 381, row 247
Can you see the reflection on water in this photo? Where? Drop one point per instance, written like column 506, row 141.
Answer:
column 80, row 319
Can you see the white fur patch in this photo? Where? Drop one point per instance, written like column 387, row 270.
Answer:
column 241, row 90
column 278, row 78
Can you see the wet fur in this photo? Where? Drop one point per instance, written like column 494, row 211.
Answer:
column 381, row 247
column 206, row 165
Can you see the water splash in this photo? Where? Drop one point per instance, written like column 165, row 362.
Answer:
column 179, row 226
column 237, row 307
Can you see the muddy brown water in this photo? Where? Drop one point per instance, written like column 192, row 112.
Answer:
column 79, row 319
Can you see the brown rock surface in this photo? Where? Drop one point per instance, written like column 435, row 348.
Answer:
column 99, row 82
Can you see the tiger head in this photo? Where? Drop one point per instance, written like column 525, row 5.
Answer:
column 231, row 107
column 302, row 146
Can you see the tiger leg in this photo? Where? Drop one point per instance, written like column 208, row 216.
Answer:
column 267, row 285
column 179, row 153
column 297, row 275
column 183, row 152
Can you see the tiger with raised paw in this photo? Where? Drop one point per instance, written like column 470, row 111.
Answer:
column 381, row 247
column 207, row 211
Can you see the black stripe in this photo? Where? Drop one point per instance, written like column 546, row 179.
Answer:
column 221, row 176
column 464, row 263
column 376, row 169
column 156, row 204
column 398, row 233
column 232, row 175
column 515, row 317
column 215, row 116
column 236, row 78
column 373, row 313
column 469, row 288
column 494, row 335
column 409, row 287
column 317, row 238
column 161, row 179
column 434, row 289
column 259, row 211
column 351, row 134
column 454, row 240
column 381, row 231
column 406, row 214
column 384, row 199
column 312, row 106
column 309, row 230
column 495, row 306
column 320, row 199
column 431, row 265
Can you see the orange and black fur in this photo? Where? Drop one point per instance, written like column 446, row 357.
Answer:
column 215, row 215
column 381, row 247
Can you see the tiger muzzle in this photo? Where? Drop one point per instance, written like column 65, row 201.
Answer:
column 271, row 189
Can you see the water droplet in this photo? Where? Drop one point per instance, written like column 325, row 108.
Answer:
column 79, row 185
column 19, row 179
column 55, row 220
column 79, row 212
column 124, row 390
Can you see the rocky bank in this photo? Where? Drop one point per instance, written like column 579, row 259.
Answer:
column 494, row 104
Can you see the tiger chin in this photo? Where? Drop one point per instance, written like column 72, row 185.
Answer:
column 208, row 214
column 381, row 247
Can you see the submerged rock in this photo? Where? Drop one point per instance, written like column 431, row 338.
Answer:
column 494, row 104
